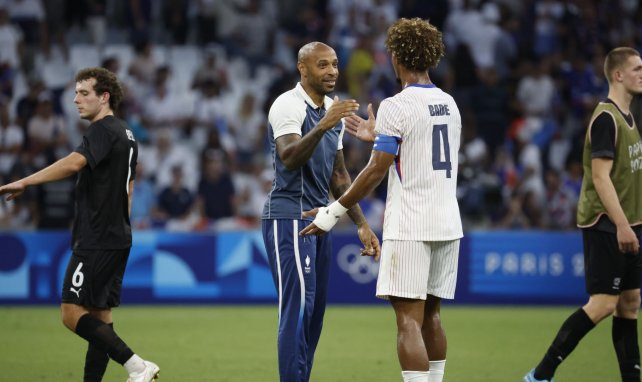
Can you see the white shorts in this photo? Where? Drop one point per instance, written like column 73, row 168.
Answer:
column 414, row 269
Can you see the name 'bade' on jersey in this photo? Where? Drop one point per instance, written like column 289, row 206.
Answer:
column 635, row 153
column 438, row 110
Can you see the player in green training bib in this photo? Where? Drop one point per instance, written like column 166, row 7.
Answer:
column 609, row 213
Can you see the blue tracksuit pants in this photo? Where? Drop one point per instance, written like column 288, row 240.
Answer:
column 300, row 267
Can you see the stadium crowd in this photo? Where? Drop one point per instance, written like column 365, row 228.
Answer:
column 200, row 76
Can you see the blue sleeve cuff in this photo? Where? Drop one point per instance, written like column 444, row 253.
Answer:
column 387, row 143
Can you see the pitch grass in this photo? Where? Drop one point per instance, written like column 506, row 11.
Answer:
column 233, row 343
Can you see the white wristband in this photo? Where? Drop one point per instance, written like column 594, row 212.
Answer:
column 328, row 216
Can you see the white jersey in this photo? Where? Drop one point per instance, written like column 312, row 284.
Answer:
column 422, row 201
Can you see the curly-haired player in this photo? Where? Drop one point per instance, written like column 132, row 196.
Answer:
column 416, row 140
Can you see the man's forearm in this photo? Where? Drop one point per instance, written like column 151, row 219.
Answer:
column 354, row 212
column 608, row 197
column 61, row 169
column 298, row 152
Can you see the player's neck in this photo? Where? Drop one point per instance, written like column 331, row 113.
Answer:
column 314, row 96
column 102, row 114
column 414, row 78
column 622, row 99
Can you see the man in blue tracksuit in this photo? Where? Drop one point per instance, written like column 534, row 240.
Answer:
column 306, row 130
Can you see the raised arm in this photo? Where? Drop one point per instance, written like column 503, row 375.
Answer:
column 295, row 150
column 60, row 169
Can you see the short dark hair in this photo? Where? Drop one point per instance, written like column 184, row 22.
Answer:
column 415, row 43
column 615, row 58
column 106, row 82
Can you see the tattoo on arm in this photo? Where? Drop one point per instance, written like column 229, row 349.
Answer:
column 294, row 150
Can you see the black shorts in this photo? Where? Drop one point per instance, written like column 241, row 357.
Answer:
column 607, row 270
column 94, row 278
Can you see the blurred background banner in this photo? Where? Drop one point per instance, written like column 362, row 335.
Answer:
column 496, row 267
column 521, row 267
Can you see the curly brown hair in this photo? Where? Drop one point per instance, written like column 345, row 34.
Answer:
column 415, row 43
column 106, row 82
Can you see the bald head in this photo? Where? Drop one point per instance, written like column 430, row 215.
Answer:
column 310, row 49
column 319, row 68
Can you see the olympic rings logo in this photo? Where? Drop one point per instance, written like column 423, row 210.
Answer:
column 362, row 269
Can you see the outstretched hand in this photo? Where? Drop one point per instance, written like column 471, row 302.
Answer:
column 361, row 128
column 340, row 109
column 13, row 190
column 370, row 242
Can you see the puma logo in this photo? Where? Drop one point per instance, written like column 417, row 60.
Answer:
column 77, row 292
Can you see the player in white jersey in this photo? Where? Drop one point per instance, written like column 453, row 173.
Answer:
column 416, row 139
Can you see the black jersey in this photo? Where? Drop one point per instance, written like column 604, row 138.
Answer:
column 102, row 214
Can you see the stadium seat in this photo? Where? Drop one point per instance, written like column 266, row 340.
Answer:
column 124, row 53
column 84, row 55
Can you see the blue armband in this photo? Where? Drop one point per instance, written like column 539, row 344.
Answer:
column 387, row 143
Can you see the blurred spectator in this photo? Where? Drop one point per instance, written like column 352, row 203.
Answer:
column 253, row 35
column 47, row 132
column 165, row 153
column 211, row 70
column 435, row 10
column 26, row 105
column 206, row 19
column 529, row 162
column 249, row 193
column 535, row 90
column 216, row 193
column 163, row 109
column 29, row 16
column 560, row 205
column 143, row 66
column 212, row 146
column 10, row 41
column 11, row 140
column 515, row 217
column 54, row 17
column 209, row 115
column 175, row 200
column 248, row 128
column 139, row 20
column 360, row 65
column 143, row 200
column 175, row 20
column 548, row 14
column 489, row 101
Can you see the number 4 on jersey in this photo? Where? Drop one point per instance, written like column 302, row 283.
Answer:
column 439, row 135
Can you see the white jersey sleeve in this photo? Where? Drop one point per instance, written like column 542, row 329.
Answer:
column 286, row 115
column 343, row 129
column 389, row 119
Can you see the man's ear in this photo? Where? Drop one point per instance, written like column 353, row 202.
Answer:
column 302, row 69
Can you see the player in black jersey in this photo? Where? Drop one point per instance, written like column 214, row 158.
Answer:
column 105, row 162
